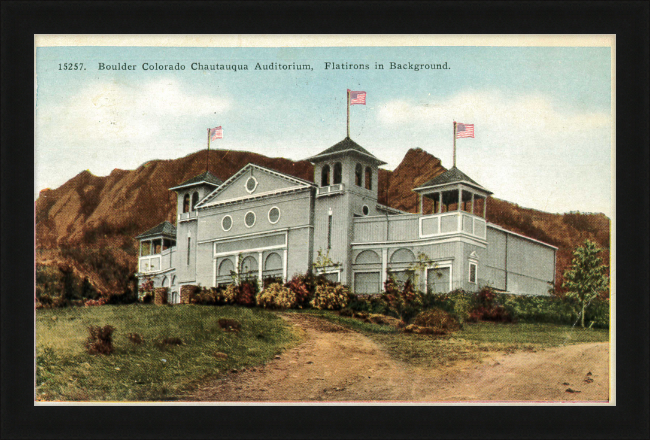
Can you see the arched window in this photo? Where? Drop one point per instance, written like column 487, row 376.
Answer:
column 226, row 267
column 325, row 176
column 186, row 203
column 249, row 268
column 368, row 178
column 367, row 257
column 338, row 173
column 358, row 175
column 195, row 200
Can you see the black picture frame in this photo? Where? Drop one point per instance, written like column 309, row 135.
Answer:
column 21, row 419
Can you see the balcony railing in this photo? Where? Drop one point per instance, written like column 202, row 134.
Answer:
column 185, row 216
column 331, row 190
column 449, row 223
column 413, row 227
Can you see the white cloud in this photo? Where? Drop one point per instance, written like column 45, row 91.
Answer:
column 528, row 148
column 494, row 110
column 121, row 112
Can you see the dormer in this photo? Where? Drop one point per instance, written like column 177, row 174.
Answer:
column 346, row 165
column 192, row 191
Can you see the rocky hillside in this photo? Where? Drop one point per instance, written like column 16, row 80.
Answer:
column 90, row 218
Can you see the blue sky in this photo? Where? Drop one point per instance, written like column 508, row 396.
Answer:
column 542, row 115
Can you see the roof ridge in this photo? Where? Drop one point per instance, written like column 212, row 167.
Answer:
column 207, row 199
column 347, row 144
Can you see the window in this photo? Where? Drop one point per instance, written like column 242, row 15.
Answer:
column 358, row 175
column 251, row 184
column 249, row 219
column 186, row 203
column 329, row 232
column 367, row 283
column 368, row 178
column 189, row 246
column 472, row 273
column 338, row 173
column 365, row 210
column 249, row 268
column 226, row 223
column 325, row 176
column 274, row 215
column 145, row 248
column 195, row 200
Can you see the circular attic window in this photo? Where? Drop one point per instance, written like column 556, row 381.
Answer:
column 251, row 184
column 249, row 219
column 226, row 223
column 274, row 215
column 365, row 210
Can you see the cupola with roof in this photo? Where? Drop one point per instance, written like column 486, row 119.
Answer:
column 454, row 190
column 346, row 166
column 193, row 190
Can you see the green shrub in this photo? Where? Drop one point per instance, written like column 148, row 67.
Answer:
column 228, row 295
column 402, row 301
column 438, row 320
column 276, row 296
column 247, row 293
column 330, row 297
column 300, row 285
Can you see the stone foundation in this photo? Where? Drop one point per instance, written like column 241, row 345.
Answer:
column 186, row 293
column 160, row 295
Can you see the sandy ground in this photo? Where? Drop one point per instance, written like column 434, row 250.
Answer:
column 336, row 364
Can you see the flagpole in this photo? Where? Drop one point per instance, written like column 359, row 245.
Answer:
column 454, row 143
column 348, row 101
column 207, row 160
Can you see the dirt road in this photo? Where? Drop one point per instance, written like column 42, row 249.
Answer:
column 336, row 364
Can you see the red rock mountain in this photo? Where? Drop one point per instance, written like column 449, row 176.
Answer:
column 89, row 222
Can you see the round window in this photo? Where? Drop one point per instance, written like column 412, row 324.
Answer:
column 274, row 214
column 365, row 210
column 249, row 219
column 251, row 184
column 226, row 223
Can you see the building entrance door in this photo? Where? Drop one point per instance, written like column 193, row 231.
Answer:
column 438, row 280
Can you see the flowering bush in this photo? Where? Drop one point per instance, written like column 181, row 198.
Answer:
column 227, row 295
column 330, row 297
column 405, row 302
column 95, row 302
column 487, row 308
column 300, row 287
column 247, row 294
column 146, row 288
column 276, row 296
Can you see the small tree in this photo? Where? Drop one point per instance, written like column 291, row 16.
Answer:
column 586, row 278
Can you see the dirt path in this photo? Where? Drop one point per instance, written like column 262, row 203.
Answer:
column 336, row 364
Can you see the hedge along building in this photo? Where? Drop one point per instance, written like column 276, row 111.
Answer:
column 262, row 223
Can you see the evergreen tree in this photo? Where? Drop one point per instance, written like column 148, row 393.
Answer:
column 586, row 278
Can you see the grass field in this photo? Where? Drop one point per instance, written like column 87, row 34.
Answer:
column 148, row 371
column 469, row 344
column 154, row 372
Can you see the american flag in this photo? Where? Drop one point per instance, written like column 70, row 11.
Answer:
column 216, row 133
column 357, row 97
column 464, row 130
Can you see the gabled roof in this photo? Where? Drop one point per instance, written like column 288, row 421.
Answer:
column 165, row 228
column 204, row 178
column 207, row 201
column 346, row 146
column 452, row 175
